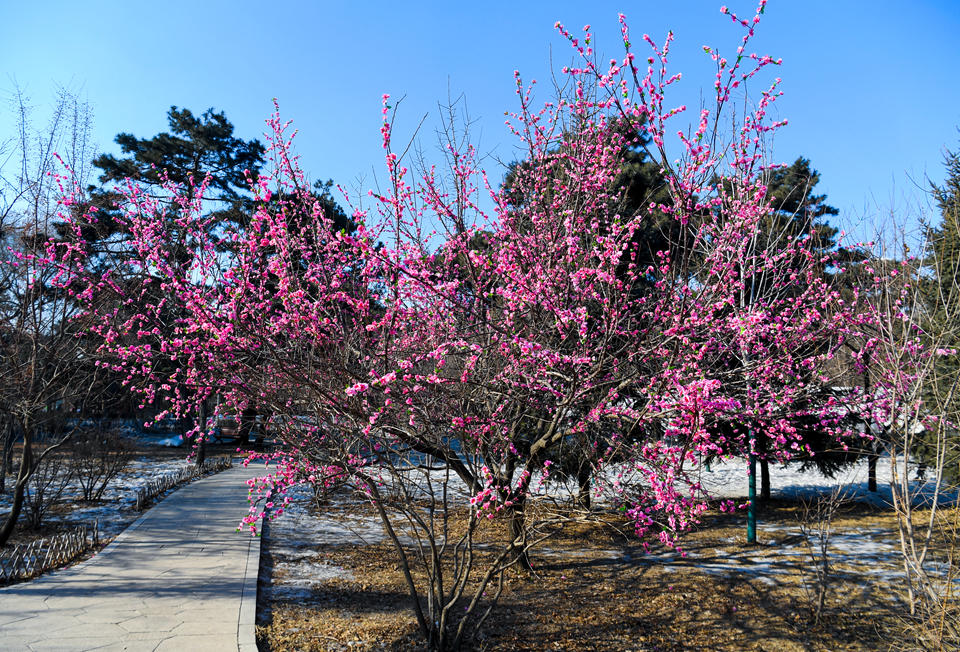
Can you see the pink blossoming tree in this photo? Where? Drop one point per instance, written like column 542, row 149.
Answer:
column 441, row 359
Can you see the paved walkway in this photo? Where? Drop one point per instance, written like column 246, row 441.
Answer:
column 179, row 579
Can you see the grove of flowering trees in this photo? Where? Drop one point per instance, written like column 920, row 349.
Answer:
column 444, row 359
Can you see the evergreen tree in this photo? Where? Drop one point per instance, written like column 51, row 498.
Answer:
column 195, row 148
column 797, row 211
column 941, row 293
column 639, row 185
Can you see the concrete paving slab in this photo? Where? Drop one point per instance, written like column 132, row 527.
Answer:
column 6, row 619
column 198, row 627
column 179, row 579
column 12, row 643
column 104, row 616
column 73, row 645
column 132, row 646
column 199, row 615
column 29, row 627
column 151, row 622
column 197, row 644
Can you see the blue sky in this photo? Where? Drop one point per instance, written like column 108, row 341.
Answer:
column 872, row 88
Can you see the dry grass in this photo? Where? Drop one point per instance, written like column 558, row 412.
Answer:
column 592, row 588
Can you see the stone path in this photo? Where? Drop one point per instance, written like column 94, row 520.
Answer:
column 179, row 579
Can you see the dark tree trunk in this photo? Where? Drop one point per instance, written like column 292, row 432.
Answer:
column 517, row 532
column 874, row 445
column 8, row 449
column 764, row 479
column 202, row 445
column 6, row 460
column 186, row 425
column 248, row 419
column 26, row 466
column 583, row 480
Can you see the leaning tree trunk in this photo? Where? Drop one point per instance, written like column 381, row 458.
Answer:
column 26, row 466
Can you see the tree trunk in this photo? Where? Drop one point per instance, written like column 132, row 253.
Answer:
column 8, row 449
column 11, row 440
column 248, row 419
column 515, row 527
column 6, row 459
column 764, row 479
column 186, row 425
column 874, row 444
column 26, row 466
column 583, row 480
column 202, row 446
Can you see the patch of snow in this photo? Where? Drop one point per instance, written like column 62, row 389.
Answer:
column 309, row 574
column 729, row 479
column 114, row 511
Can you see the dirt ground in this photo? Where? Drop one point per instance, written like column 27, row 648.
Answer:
column 593, row 588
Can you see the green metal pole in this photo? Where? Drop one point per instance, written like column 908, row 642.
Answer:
column 752, row 480
column 752, row 497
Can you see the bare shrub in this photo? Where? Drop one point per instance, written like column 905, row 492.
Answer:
column 915, row 398
column 816, row 525
column 46, row 363
column 48, row 481
column 98, row 453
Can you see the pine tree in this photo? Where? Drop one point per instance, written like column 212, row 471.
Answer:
column 941, row 292
column 194, row 148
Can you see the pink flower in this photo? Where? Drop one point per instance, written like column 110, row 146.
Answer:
column 359, row 388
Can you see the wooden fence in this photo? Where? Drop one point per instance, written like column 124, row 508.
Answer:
column 29, row 560
column 166, row 482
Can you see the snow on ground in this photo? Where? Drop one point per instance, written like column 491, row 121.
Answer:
column 860, row 556
column 114, row 511
column 291, row 540
column 722, row 479
column 863, row 556
column 729, row 479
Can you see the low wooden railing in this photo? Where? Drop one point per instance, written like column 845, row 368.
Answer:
column 154, row 488
column 31, row 559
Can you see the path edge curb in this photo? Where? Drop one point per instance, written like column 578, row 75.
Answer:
column 247, row 624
